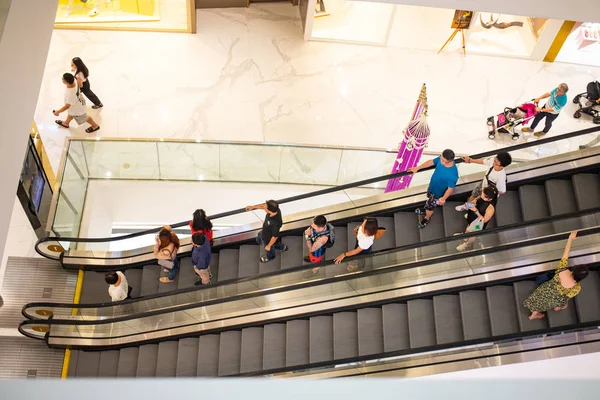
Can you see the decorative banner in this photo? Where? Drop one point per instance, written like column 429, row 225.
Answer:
column 416, row 135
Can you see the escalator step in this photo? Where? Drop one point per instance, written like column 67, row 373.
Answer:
column 150, row 276
column 208, row 355
column 341, row 243
column 214, row 267
column 560, row 196
column 421, row 323
column 293, row 256
column 187, row 357
column 448, row 323
column 147, row 358
column 229, row 260
column 588, row 299
column 94, row 289
column 454, row 222
column 533, row 201
column 187, row 276
column 388, row 240
column 522, row 290
column 474, row 314
column 561, row 200
column 406, row 231
column 109, row 364
column 395, row 327
column 134, row 279
column 433, row 230
column 297, row 342
column 73, row 363
column 350, row 236
column 502, row 310
column 345, row 335
column 87, row 364
column 128, row 360
column 230, row 348
column 274, row 346
column 249, row 261
column 370, row 331
column 564, row 317
column 252, row 349
column 321, row 338
column 586, row 188
column 508, row 210
column 167, row 359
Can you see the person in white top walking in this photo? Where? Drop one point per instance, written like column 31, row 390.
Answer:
column 81, row 73
column 74, row 105
column 119, row 289
column 495, row 176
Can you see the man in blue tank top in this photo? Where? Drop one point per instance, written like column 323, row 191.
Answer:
column 442, row 183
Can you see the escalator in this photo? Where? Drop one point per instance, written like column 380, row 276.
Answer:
column 434, row 317
column 327, row 325
column 564, row 185
column 531, row 196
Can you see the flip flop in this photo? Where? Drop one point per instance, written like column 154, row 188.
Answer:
column 165, row 279
column 90, row 129
column 59, row 122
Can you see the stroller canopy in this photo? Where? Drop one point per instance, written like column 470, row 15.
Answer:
column 593, row 90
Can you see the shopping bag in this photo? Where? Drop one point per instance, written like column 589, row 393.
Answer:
column 476, row 225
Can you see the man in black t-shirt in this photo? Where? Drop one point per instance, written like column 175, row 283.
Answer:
column 268, row 238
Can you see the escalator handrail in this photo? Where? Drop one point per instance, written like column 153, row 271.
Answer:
column 322, row 264
column 317, row 192
column 417, row 264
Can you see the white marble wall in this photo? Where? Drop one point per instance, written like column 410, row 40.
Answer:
column 249, row 75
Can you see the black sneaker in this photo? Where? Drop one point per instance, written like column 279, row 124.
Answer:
column 264, row 259
column 198, row 283
column 420, row 211
column 306, row 259
column 285, row 248
column 423, row 223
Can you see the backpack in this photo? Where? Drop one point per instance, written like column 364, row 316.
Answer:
column 330, row 236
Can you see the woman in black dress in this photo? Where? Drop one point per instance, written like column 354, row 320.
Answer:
column 484, row 208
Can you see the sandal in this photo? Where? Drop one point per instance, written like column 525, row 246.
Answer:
column 97, row 107
column 60, row 122
column 90, row 129
column 165, row 279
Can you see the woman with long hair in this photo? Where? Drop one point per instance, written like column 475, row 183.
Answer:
column 82, row 73
column 366, row 233
column 165, row 250
column 201, row 224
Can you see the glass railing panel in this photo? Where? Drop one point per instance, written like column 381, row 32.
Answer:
column 189, row 161
column 360, row 285
column 350, row 267
column 360, row 165
column 122, row 159
column 250, row 163
column 309, row 165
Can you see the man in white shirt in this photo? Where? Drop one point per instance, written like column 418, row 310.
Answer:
column 119, row 289
column 74, row 105
column 495, row 176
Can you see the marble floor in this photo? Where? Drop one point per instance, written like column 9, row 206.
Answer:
column 248, row 75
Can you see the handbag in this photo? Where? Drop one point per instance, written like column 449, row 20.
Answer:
column 167, row 263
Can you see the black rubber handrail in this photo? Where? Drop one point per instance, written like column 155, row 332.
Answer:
column 305, row 267
column 318, row 192
column 418, row 264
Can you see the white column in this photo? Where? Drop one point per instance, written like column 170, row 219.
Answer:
column 24, row 43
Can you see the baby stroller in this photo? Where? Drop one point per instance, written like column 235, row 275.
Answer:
column 507, row 121
column 589, row 102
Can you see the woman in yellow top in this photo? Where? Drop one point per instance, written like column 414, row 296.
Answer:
column 555, row 293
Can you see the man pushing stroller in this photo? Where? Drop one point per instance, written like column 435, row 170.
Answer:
column 557, row 99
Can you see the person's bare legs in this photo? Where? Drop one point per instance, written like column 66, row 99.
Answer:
column 67, row 121
column 91, row 122
column 428, row 214
column 536, row 315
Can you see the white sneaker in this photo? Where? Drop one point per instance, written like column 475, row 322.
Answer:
column 94, row 12
column 462, row 247
column 462, row 207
